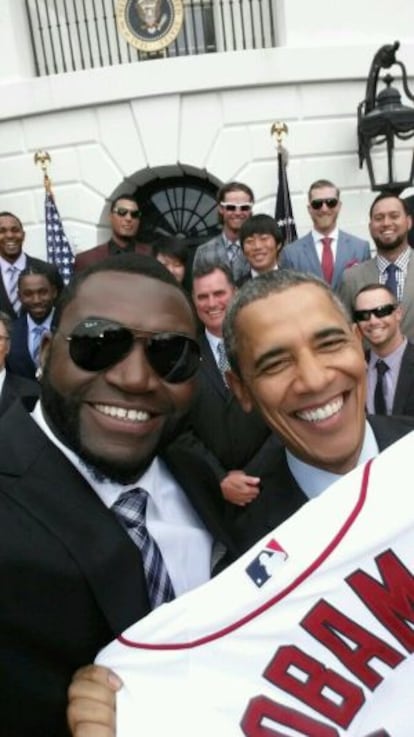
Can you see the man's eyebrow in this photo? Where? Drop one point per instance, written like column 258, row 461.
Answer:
column 278, row 351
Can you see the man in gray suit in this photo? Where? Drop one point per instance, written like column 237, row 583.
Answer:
column 393, row 264
column 325, row 251
column 234, row 204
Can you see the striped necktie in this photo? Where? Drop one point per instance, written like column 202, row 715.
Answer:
column 13, row 275
column 223, row 361
column 130, row 509
column 37, row 333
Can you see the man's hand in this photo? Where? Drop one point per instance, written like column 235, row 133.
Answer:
column 91, row 709
column 239, row 488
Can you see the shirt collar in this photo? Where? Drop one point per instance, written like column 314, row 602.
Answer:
column 317, row 237
column 31, row 324
column 313, row 481
column 19, row 264
column 392, row 359
column 401, row 261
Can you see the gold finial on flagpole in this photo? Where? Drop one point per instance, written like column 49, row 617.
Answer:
column 43, row 159
column 279, row 129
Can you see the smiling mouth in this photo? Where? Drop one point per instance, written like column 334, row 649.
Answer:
column 323, row 412
column 120, row 413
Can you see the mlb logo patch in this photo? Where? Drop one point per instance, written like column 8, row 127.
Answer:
column 266, row 562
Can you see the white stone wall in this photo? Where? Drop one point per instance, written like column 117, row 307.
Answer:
column 108, row 127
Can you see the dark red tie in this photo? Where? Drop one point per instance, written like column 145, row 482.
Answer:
column 327, row 259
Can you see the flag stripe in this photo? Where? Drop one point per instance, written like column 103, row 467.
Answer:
column 59, row 251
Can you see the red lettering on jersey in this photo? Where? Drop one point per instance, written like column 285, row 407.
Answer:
column 391, row 600
column 313, row 688
column 261, row 708
column 352, row 644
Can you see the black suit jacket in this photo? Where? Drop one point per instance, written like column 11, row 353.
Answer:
column 5, row 304
column 218, row 428
column 71, row 579
column 19, row 360
column 280, row 496
column 17, row 387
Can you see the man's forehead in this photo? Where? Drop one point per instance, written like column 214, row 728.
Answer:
column 374, row 295
column 9, row 220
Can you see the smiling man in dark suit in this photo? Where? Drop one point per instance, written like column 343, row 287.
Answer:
column 297, row 357
column 390, row 356
column 12, row 387
column 100, row 519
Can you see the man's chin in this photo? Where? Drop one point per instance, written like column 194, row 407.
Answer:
column 120, row 472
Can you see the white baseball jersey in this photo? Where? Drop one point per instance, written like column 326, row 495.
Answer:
column 309, row 634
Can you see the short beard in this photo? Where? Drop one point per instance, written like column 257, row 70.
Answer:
column 392, row 246
column 63, row 417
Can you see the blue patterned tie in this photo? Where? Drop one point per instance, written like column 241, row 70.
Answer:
column 37, row 333
column 391, row 281
column 130, row 510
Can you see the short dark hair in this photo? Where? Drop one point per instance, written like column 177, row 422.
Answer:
column 39, row 269
column 234, row 187
column 7, row 322
column 171, row 246
column 130, row 263
column 263, row 225
column 386, row 195
column 206, row 268
column 7, row 214
column 320, row 183
column 272, row 282
column 374, row 286
column 123, row 196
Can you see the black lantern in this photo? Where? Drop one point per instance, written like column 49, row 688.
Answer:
column 382, row 119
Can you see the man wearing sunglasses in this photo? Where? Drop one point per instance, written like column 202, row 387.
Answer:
column 390, row 357
column 234, row 205
column 393, row 264
column 124, row 218
column 101, row 518
column 326, row 251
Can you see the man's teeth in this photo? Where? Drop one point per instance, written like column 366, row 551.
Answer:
column 131, row 415
column 321, row 413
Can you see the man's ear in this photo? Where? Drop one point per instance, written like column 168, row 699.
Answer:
column 239, row 390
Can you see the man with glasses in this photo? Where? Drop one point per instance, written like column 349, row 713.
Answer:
column 101, row 518
column 393, row 264
column 390, row 357
column 124, row 218
column 326, row 251
column 234, row 205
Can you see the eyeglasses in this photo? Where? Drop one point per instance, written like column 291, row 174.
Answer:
column 97, row 344
column 234, row 206
column 124, row 211
column 383, row 311
column 330, row 202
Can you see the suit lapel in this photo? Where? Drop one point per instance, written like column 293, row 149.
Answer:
column 405, row 380
column 311, row 256
column 74, row 514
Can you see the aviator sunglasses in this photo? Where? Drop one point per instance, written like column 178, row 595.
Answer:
column 233, row 206
column 96, row 344
column 124, row 211
column 330, row 202
column 383, row 311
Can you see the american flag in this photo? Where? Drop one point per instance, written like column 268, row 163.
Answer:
column 59, row 251
column 284, row 213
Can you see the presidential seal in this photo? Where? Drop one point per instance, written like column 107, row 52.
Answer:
column 149, row 25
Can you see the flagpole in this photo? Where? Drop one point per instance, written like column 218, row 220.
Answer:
column 43, row 159
column 283, row 208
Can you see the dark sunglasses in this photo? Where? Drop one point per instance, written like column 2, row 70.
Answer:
column 123, row 211
column 233, row 206
column 97, row 344
column 383, row 311
column 331, row 202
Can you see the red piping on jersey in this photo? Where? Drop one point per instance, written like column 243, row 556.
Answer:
column 302, row 577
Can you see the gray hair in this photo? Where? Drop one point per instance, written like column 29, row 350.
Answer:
column 262, row 286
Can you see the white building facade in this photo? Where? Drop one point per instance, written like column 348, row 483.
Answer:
column 119, row 127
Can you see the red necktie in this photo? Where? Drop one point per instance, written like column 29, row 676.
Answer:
column 327, row 259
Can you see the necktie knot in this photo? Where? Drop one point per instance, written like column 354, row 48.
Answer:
column 232, row 251
column 381, row 367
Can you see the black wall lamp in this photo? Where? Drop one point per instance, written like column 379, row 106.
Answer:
column 382, row 119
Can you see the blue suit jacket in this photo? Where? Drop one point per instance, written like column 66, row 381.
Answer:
column 19, row 360
column 301, row 255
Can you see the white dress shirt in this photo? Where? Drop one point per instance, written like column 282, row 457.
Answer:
column 317, row 239
column 185, row 544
